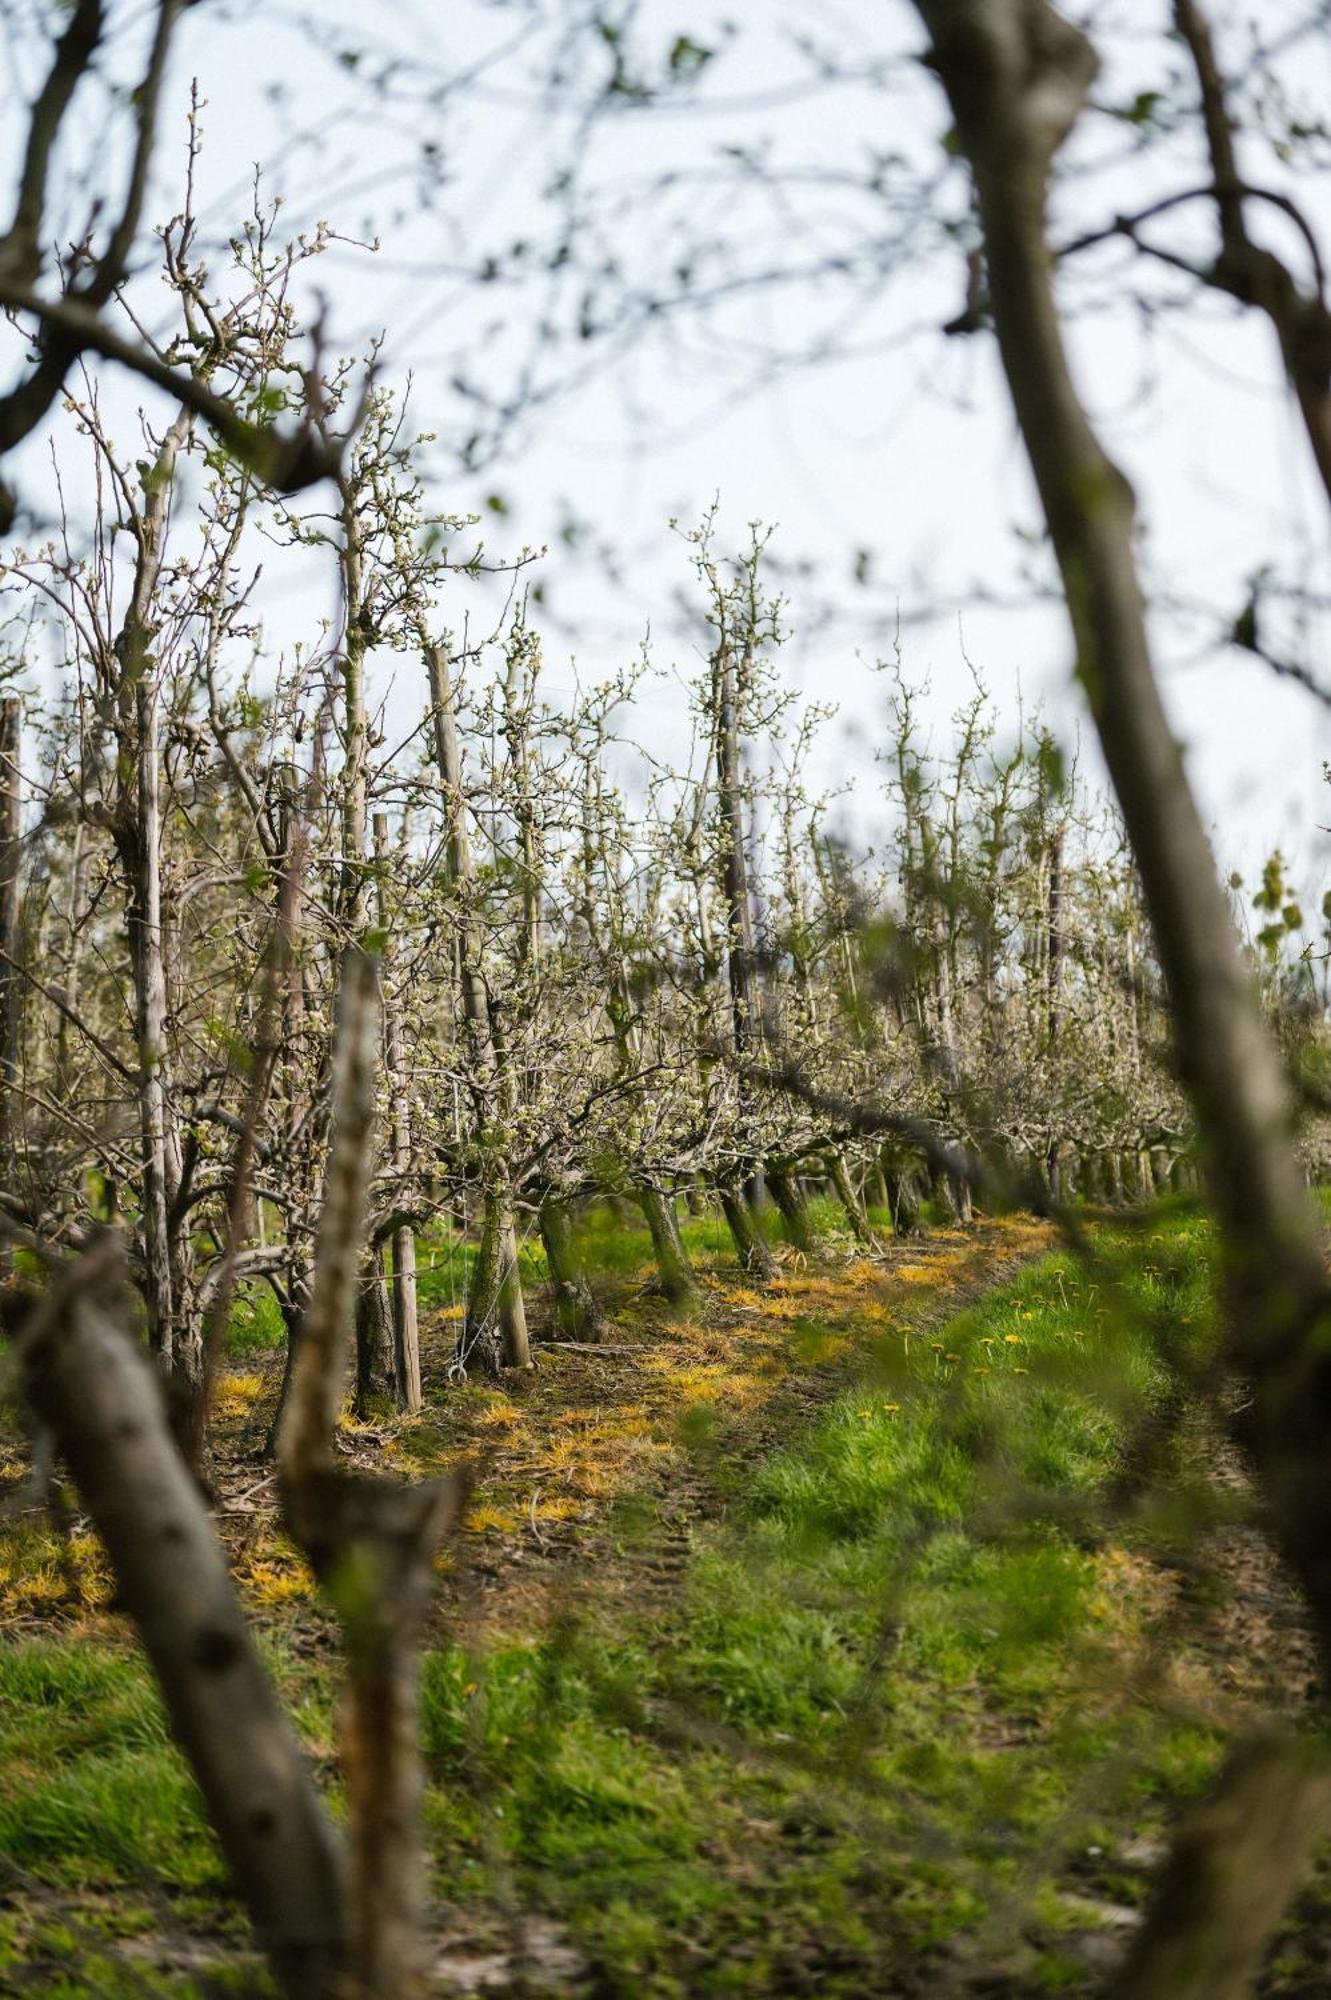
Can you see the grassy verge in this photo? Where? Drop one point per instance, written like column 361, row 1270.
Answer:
column 924, row 1694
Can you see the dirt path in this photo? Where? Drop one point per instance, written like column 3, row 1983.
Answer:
column 590, row 1474
column 593, row 1473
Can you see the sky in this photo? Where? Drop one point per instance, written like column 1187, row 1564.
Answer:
column 893, row 442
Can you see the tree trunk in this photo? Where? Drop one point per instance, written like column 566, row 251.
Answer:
column 849, row 1198
column 406, row 1324
column 963, row 1206
column 903, row 1200
column 371, row 1544
column 751, row 1246
column 374, row 1338
column 515, row 1342
column 1228, row 1878
column 478, row 1337
column 137, row 829
column 677, row 1281
column 496, row 1292
column 87, row 1378
column 788, row 1195
column 577, row 1315
column 406, row 1328
column 145, row 935
column 11, row 992
column 1018, row 76
column 1053, row 1169
column 494, row 1328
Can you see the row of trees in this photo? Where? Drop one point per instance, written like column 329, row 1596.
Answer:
column 603, row 972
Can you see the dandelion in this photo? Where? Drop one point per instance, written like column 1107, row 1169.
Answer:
column 1014, row 1340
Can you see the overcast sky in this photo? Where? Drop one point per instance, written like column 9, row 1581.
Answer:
column 896, row 443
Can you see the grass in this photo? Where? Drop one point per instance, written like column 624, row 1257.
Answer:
column 909, row 1693
column 612, row 1241
column 895, row 1677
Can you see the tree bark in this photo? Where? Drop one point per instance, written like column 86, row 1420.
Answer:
column 375, row 1373
column 145, row 931
column 903, row 1201
column 137, row 827
column 494, row 1327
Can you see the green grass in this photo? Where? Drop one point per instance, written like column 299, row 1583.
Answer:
column 256, row 1325
column 612, row 1241
column 887, row 1710
column 102, row 1833
column 886, row 1707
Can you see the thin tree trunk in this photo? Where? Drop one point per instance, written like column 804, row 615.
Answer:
column 1018, row 76
column 496, row 1291
column 11, row 999
column 406, row 1325
column 903, row 1201
column 515, row 1342
column 145, row 929
column 479, row 1337
column 371, row 1544
column 137, row 827
column 1227, row 1881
